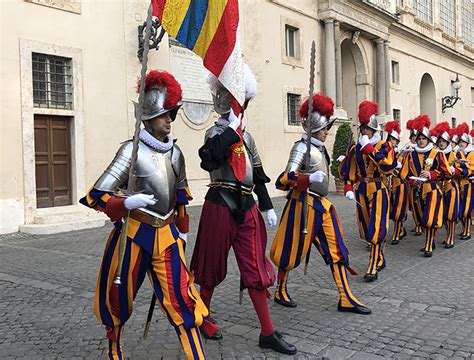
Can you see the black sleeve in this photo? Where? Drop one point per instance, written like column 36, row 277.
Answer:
column 260, row 179
column 216, row 150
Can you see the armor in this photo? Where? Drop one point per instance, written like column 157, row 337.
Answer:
column 318, row 161
column 157, row 173
column 221, row 97
column 153, row 105
column 318, row 122
column 225, row 174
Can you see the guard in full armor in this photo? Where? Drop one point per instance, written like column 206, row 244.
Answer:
column 324, row 230
column 230, row 217
column 157, row 225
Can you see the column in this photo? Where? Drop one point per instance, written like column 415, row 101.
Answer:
column 380, row 67
column 329, row 59
column 388, row 79
column 337, row 46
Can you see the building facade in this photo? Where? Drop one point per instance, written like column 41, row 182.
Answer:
column 69, row 75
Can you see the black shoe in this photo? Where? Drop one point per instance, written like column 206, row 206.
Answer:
column 428, row 253
column 276, row 343
column 381, row 267
column 448, row 246
column 417, row 234
column 361, row 310
column 216, row 336
column 395, row 242
column 403, row 234
column 370, row 277
column 413, row 230
column 422, row 249
column 290, row 303
column 465, row 237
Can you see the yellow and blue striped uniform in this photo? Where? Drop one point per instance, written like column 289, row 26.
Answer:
column 158, row 252
column 466, row 189
column 427, row 198
column 373, row 199
column 451, row 197
column 324, row 230
column 398, row 206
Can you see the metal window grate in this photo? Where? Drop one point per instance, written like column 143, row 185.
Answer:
column 424, row 10
column 52, row 82
column 468, row 22
column 293, row 101
column 447, row 16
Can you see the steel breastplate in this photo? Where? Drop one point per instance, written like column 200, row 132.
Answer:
column 318, row 162
column 155, row 175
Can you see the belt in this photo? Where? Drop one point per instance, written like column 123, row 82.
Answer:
column 150, row 219
column 232, row 186
column 368, row 179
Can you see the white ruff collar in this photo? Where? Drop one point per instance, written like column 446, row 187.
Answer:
column 375, row 139
column 222, row 122
column 314, row 141
column 153, row 142
column 448, row 149
column 467, row 149
column 425, row 149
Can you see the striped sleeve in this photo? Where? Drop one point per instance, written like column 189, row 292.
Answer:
column 292, row 181
column 384, row 157
column 348, row 169
column 183, row 196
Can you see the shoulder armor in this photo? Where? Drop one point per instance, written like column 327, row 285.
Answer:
column 213, row 131
column 179, row 167
column 296, row 159
column 116, row 174
column 251, row 146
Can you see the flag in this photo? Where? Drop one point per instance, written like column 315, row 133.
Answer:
column 209, row 28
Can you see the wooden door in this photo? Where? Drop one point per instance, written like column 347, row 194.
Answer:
column 52, row 160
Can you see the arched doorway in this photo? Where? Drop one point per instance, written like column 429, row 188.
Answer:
column 355, row 84
column 428, row 97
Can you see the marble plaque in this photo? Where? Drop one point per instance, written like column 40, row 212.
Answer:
column 66, row 5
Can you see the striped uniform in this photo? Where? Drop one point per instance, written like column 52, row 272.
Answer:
column 290, row 247
column 362, row 171
column 427, row 198
column 158, row 252
column 466, row 170
column 451, row 198
column 398, row 206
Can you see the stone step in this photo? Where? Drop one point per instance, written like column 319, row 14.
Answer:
column 67, row 216
column 63, row 226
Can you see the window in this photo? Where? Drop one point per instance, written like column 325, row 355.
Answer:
column 52, row 81
column 453, row 122
column 424, row 10
column 395, row 72
column 293, row 101
column 397, row 115
column 292, row 35
column 472, row 95
column 447, row 16
column 468, row 22
column 399, row 3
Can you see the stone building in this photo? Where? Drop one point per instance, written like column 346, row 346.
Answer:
column 68, row 70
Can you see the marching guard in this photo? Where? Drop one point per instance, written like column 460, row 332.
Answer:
column 398, row 188
column 156, row 225
column 450, row 187
column 413, row 134
column 231, row 218
column 424, row 168
column 310, row 185
column 466, row 167
column 362, row 170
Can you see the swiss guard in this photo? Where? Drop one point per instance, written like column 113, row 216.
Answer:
column 363, row 169
column 157, row 226
column 230, row 217
column 291, row 245
column 424, row 168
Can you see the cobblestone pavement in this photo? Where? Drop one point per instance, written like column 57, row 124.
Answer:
column 422, row 307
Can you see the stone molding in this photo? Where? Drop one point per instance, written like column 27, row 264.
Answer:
column 73, row 6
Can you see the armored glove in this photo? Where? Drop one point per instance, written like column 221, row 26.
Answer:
column 138, row 201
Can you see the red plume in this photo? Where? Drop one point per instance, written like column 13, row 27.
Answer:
column 391, row 126
column 410, row 125
column 452, row 132
column 321, row 103
column 471, row 133
column 462, row 129
column 157, row 78
column 440, row 128
column 366, row 110
column 421, row 122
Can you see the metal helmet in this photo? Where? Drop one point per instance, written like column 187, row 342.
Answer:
column 441, row 131
column 422, row 124
column 162, row 94
column 323, row 109
column 367, row 115
column 393, row 129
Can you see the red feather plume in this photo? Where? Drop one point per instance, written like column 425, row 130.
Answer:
column 160, row 79
column 366, row 110
column 321, row 103
column 421, row 122
column 462, row 129
column 410, row 125
column 391, row 126
column 452, row 132
column 471, row 133
column 440, row 128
